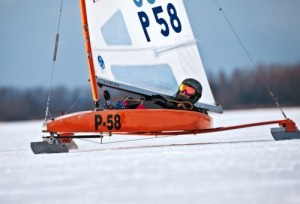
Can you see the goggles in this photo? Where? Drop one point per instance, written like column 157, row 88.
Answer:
column 188, row 89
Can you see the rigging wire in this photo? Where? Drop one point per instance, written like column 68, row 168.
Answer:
column 129, row 140
column 74, row 104
column 53, row 62
column 79, row 97
column 275, row 99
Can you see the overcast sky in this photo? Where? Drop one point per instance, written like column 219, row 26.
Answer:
column 270, row 30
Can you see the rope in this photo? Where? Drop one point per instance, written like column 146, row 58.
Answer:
column 182, row 104
column 252, row 61
column 53, row 63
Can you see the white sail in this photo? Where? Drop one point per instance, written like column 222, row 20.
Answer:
column 147, row 44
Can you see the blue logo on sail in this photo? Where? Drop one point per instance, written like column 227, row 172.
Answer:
column 101, row 62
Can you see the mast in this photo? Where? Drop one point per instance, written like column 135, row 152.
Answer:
column 89, row 55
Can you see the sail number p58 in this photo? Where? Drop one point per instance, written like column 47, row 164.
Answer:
column 112, row 121
column 157, row 11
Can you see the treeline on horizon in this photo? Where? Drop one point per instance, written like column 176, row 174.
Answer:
column 247, row 88
column 242, row 88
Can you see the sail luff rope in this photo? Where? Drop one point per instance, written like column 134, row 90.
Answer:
column 252, row 61
column 53, row 61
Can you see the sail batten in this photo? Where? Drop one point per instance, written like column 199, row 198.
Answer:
column 157, row 50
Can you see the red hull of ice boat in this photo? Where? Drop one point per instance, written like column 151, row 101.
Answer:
column 130, row 121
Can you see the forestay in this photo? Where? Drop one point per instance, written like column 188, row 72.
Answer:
column 146, row 45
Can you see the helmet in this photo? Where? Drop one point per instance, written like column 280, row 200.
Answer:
column 196, row 85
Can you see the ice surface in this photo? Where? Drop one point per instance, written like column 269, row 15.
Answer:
column 240, row 166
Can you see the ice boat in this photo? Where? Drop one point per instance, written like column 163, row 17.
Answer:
column 143, row 48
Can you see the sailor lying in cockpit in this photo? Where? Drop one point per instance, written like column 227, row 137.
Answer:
column 189, row 92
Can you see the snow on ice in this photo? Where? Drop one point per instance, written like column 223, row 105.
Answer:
column 240, row 166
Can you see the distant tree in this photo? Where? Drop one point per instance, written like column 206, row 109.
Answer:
column 244, row 88
column 16, row 104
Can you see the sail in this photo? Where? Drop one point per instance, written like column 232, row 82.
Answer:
column 146, row 44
